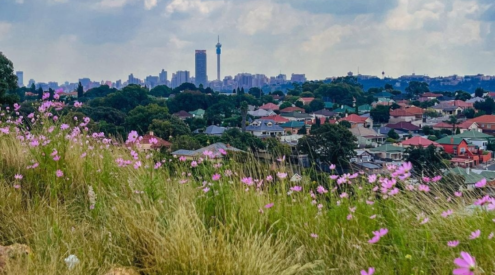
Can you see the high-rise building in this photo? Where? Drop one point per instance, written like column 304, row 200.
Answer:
column 20, row 78
column 244, row 80
column 151, row 81
column 31, row 82
column 201, row 76
column 179, row 77
column 299, row 78
column 162, row 77
column 131, row 80
column 219, row 51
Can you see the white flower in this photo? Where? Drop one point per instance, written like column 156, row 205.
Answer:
column 71, row 261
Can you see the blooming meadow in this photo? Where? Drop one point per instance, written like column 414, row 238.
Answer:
column 86, row 203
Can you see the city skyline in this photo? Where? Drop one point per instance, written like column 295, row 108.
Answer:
column 323, row 39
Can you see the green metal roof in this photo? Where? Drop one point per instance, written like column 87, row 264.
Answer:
column 474, row 134
column 197, row 112
column 344, row 109
column 389, row 148
column 364, row 107
column 450, row 140
column 470, row 178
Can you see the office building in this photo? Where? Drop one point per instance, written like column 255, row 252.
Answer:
column 200, row 66
column 180, row 77
column 20, row 78
column 162, row 78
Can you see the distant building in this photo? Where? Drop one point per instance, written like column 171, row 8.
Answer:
column 219, row 51
column 31, row 82
column 180, row 77
column 244, row 80
column 299, row 78
column 118, row 84
column 151, row 81
column 20, row 78
column 131, row 80
column 162, row 78
column 200, row 74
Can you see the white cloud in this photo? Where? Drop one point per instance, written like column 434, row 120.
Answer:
column 109, row 4
column 19, row 1
column 149, row 4
column 203, row 7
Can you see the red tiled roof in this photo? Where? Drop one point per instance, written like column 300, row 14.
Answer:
column 183, row 114
column 462, row 104
column 419, row 141
column 269, row 106
column 445, row 125
column 160, row 143
column 484, row 119
column 291, row 109
column 354, row 118
column 400, row 112
column 403, row 126
column 415, row 110
column 277, row 118
column 307, row 99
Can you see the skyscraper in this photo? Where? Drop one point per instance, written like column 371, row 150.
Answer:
column 219, row 51
column 162, row 77
column 20, row 78
column 179, row 77
column 200, row 76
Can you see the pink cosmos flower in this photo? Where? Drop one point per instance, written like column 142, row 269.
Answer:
column 490, row 236
column 153, row 140
column 18, row 177
column 369, row 202
column 282, row 159
column 247, row 181
column 458, row 194
column 371, row 271
column 281, row 175
column 436, row 178
column 334, row 177
column 332, row 167
column 372, row 178
column 349, row 217
column 447, row 213
column 206, row 189
column 466, row 264
column 480, row 184
column 270, row 205
column 410, row 187
column 382, row 232
column 344, row 195
column 375, row 239
column 157, row 165
column 296, row 188
column 313, row 235
column 475, row 234
column 269, row 178
column 373, row 217
column 56, row 158
column 78, row 104
column 453, row 243
column 320, row 189
column 222, row 151
column 424, row 188
column 17, row 186
column 425, row 220
column 426, row 179
column 352, row 209
column 194, row 164
column 215, row 177
column 394, row 191
column 59, row 173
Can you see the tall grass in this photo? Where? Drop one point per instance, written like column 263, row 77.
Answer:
column 164, row 221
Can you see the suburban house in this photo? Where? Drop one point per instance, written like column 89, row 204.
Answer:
column 215, row 148
column 388, row 152
column 399, row 115
column 264, row 128
column 361, row 156
column 146, row 143
column 385, row 130
column 486, row 123
column 292, row 110
column 292, row 126
column 356, row 121
column 183, row 115
column 418, row 141
column 297, row 116
column 470, row 178
column 211, row 130
column 416, row 111
column 261, row 113
column 363, row 109
column 404, row 127
column 324, row 113
column 199, row 113
column 306, row 100
column 269, row 107
column 277, row 118
column 464, row 153
column 463, row 127
column 446, row 109
column 431, row 96
column 344, row 109
column 477, row 138
column 367, row 136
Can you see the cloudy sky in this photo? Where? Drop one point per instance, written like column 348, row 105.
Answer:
column 108, row 39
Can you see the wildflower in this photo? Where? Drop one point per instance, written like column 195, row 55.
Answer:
column 269, row 178
column 373, row 217
column 182, row 158
column 18, row 177
column 408, row 256
column 270, row 205
column 296, row 188
column 206, row 189
column 320, row 189
column 281, row 175
column 248, row 181
column 382, row 232
column 436, row 178
column 313, row 235
column 64, row 126
column 425, row 220
column 480, row 184
column 426, row 179
column 424, row 188
column 215, row 177
column 17, row 186
column 458, row 194
column 194, row 164
column 375, row 239
column 332, row 167
column 466, row 264
column 71, row 261
column 369, row 202
column 83, row 155
column 394, row 191
column 372, row 178
column 137, row 164
column 344, row 195
column 59, row 173
column 282, row 159
column 132, row 137
column 320, row 206
column 447, row 213
column 371, row 271
column 352, row 209
column 153, row 140
column 56, row 158
column 453, row 243
column 157, row 165
column 349, row 217
column 475, row 234
column 490, row 236
column 334, row 177
column 222, row 151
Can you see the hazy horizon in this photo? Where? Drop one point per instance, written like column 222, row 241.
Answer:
column 64, row 40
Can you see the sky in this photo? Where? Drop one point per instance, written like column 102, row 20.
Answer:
column 64, row 40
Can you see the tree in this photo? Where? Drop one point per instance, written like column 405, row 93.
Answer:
column 487, row 106
column 427, row 161
column 329, row 144
column 285, row 104
column 100, row 91
column 240, row 140
column 307, row 94
column 141, row 117
column 279, row 93
column 479, row 92
column 169, row 128
column 185, row 142
column 188, row 101
column 393, row 135
column 80, row 90
column 317, row 104
column 303, row 130
column 40, row 93
column 469, row 113
column 256, row 92
column 380, row 114
column 416, row 88
column 461, row 95
column 244, row 110
column 276, row 148
column 299, row 104
column 8, row 80
column 345, row 124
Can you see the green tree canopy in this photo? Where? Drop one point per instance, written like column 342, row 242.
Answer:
column 479, row 92
column 427, row 161
column 316, row 105
column 185, row 142
column 380, row 114
column 141, row 117
column 416, row 88
column 393, row 135
column 462, row 95
column 8, row 81
column 487, row 106
column 285, row 104
column 171, row 127
column 100, row 91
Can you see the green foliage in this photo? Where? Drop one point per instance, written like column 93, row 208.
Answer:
column 316, row 105
column 469, row 113
column 329, row 144
column 8, row 81
column 141, row 117
column 80, row 90
column 303, row 130
column 240, row 140
column 185, row 142
column 479, row 92
column 416, row 88
column 380, row 114
column 299, row 104
column 256, row 92
column 188, row 101
column 462, row 95
column 276, row 148
column 345, row 124
column 427, row 161
column 172, row 127
column 184, row 87
column 196, row 123
column 285, row 104
column 393, row 135
column 307, row 94
column 100, row 91
column 129, row 98
column 487, row 106
column 342, row 93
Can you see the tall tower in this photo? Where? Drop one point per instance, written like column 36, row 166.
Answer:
column 201, row 76
column 219, row 51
